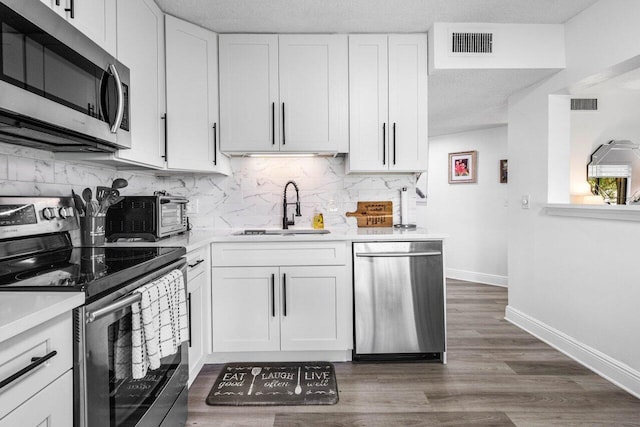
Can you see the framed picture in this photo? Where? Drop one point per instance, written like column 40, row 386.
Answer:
column 504, row 171
column 462, row 167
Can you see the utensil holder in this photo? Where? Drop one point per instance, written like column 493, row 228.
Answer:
column 93, row 262
column 92, row 230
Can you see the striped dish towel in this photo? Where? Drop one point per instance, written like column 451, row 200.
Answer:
column 159, row 322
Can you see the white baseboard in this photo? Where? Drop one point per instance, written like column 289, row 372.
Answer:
column 280, row 356
column 472, row 276
column 611, row 369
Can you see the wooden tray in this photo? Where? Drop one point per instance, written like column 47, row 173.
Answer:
column 374, row 214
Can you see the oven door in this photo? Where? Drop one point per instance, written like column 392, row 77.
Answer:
column 106, row 393
column 172, row 216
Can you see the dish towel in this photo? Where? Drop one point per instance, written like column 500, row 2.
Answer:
column 159, row 322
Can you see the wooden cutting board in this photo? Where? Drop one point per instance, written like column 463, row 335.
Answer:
column 374, row 214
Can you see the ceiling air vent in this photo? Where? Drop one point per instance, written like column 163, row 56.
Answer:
column 584, row 104
column 472, row 42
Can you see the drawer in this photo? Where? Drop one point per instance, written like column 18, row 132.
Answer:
column 16, row 353
column 196, row 261
column 278, row 254
column 51, row 406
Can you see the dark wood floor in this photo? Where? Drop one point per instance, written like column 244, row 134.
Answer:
column 496, row 375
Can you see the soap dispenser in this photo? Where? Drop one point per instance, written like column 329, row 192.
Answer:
column 318, row 220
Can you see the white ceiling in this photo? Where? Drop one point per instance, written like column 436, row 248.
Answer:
column 459, row 100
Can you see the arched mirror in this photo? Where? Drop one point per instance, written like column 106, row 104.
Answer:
column 614, row 172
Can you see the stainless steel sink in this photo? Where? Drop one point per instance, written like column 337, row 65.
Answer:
column 279, row 232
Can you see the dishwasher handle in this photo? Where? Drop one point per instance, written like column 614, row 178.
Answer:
column 397, row 254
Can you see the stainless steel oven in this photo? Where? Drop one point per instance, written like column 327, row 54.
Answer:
column 111, row 398
column 37, row 255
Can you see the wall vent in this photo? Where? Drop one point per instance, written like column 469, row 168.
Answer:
column 584, row 104
column 472, row 42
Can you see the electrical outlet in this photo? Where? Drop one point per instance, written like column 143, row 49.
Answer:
column 193, row 207
column 525, row 201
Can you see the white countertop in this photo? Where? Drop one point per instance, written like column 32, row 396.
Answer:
column 195, row 239
column 20, row 311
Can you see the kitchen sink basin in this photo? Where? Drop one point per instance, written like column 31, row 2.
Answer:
column 279, row 232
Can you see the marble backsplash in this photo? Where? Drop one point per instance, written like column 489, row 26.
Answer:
column 250, row 198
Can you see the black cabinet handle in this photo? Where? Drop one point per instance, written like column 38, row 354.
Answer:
column 273, row 295
column 273, row 123
column 166, row 152
column 384, row 143
column 394, row 143
column 189, row 317
column 70, row 9
column 57, row 2
column 35, row 362
column 215, row 144
column 284, row 140
column 198, row 262
column 284, row 295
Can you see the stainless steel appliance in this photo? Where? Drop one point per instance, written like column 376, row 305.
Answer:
column 147, row 217
column 36, row 255
column 58, row 90
column 399, row 300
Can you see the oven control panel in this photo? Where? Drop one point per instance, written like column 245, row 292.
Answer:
column 24, row 216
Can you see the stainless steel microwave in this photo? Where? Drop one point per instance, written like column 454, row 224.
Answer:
column 146, row 217
column 59, row 90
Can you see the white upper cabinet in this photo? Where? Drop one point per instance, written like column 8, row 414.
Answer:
column 314, row 93
column 249, row 100
column 388, row 103
column 95, row 18
column 141, row 48
column 192, row 99
column 286, row 93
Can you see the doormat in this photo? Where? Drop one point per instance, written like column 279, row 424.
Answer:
column 278, row 383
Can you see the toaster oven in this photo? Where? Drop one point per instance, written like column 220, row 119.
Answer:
column 146, row 217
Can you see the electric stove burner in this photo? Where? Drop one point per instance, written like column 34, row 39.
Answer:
column 130, row 256
column 93, row 270
column 53, row 275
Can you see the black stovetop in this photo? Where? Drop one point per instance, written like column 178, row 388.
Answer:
column 92, row 270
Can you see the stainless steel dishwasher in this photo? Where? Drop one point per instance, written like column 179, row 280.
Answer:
column 399, row 301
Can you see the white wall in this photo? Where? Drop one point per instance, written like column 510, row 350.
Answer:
column 574, row 282
column 473, row 215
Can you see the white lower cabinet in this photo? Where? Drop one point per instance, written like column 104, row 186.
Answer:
column 43, row 393
column 51, row 406
column 280, row 307
column 313, row 314
column 198, row 308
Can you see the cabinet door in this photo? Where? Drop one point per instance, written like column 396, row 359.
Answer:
column 94, row 18
column 245, row 309
column 192, row 98
column 51, row 406
column 196, row 301
column 408, row 102
column 249, row 106
column 368, row 103
column 314, row 93
column 57, row 6
column 317, row 304
column 141, row 47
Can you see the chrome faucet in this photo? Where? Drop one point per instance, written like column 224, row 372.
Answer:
column 285, row 221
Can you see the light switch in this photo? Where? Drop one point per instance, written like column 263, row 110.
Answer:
column 525, row 202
